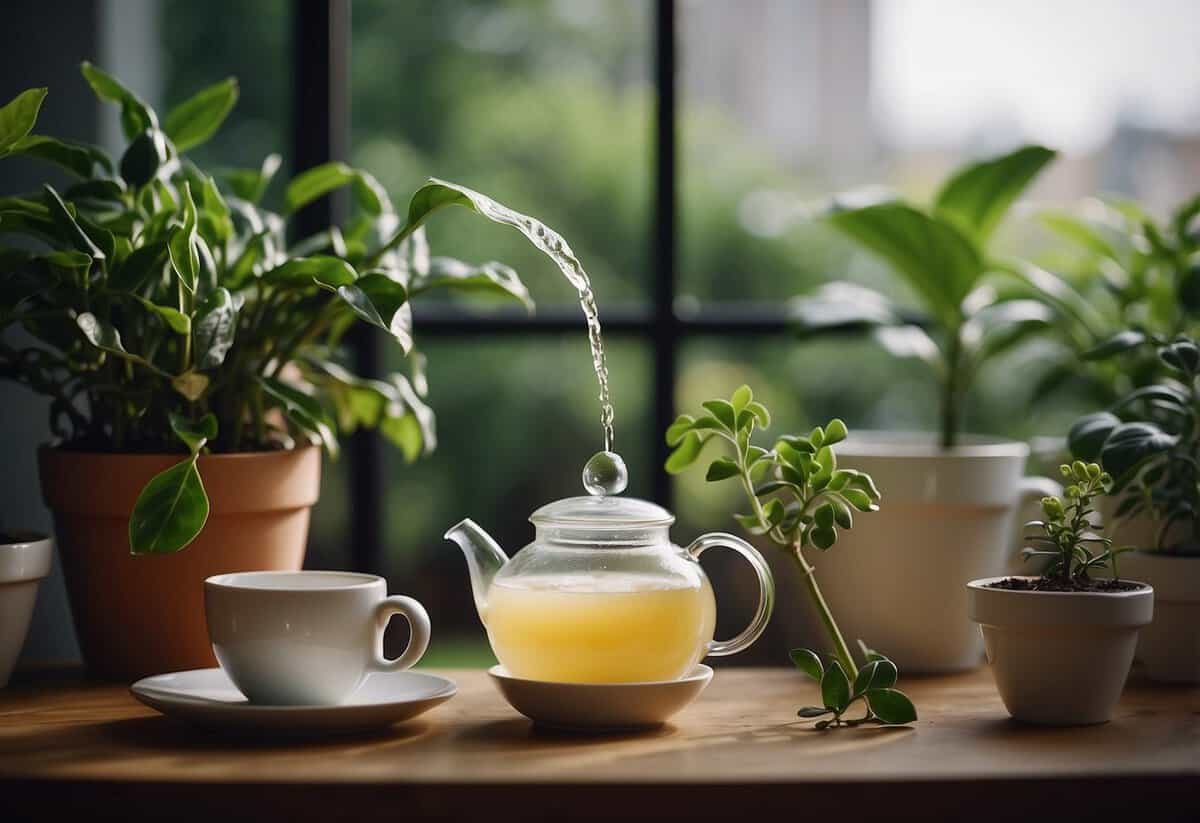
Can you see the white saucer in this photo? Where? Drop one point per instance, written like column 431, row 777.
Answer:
column 598, row 707
column 208, row 697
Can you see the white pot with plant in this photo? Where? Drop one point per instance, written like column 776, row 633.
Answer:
column 190, row 350
column 1150, row 442
column 1060, row 645
column 25, row 559
column 954, row 500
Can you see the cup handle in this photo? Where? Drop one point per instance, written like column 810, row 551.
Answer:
column 418, row 641
column 766, row 589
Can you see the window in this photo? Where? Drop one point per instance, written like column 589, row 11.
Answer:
column 670, row 141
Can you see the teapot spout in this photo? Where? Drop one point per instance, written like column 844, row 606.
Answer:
column 484, row 559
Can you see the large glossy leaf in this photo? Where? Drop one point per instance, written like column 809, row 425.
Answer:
column 145, row 156
column 320, row 180
column 383, row 303
column 176, row 320
column 67, row 225
column 1047, row 286
column 197, row 119
column 1081, row 233
column 1001, row 326
column 323, row 270
column 891, row 706
column 835, row 687
column 1131, row 444
column 170, row 511
column 304, row 410
column 79, row 158
column 933, row 256
column 495, row 278
column 437, row 194
column 977, row 197
column 213, row 331
column 183, row 244
column 142, row 264
column 1087, row 435
column 136, row 116
column 18, row 116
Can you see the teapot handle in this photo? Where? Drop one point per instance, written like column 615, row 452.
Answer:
column 766, row 589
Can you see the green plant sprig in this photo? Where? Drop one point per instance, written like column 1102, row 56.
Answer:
column 799, row 498
column 1067, row 538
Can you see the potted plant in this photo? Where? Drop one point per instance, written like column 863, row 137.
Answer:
column 1061, row 644
column 953, row 499
column 799, row 500
column 1150, row 442
column 190, row 349
column 24, row 562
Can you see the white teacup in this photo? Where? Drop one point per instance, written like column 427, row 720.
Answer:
column 306, row 638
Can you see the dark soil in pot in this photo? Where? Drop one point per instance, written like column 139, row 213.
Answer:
column 1047, row 584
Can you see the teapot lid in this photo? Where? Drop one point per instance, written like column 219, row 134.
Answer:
column 602, row 512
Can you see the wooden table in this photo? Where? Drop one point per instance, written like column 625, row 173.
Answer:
column 70, row 746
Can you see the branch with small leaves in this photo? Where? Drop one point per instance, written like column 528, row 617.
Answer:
column 799, row 499
column 1067, row 538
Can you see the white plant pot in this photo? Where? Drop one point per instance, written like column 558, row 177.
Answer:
column 1059, row 658
column 23, row 564
column 1169, row 647
column 896, row 580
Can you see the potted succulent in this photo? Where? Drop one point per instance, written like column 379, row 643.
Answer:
column 24, row 561
column 1061, row 644
column 190, row 349
column 953, row 499
column 1150, row 442
column 800, row 500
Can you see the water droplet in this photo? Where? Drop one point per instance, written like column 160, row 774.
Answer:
column 605, row 474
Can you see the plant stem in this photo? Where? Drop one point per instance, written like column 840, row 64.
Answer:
column 950, row 392
column 841, row 650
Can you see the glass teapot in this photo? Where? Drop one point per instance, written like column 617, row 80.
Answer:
column 602, row 595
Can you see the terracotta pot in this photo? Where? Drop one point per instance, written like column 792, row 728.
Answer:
column 137, row 616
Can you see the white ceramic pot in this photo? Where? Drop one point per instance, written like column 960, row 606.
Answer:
column 1170, row 646
column 1059, row 658
column 23, row 563
column 896, row 580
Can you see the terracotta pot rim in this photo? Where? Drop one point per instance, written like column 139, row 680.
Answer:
column 50, row 447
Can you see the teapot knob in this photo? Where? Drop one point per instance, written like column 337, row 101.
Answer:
column 605, row 474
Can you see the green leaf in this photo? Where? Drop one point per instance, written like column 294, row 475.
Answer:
column 823, row 538
column 251, row 184
column 176, row 320
column 78, row 158
column 722, row 469
column 144, row 157
column 67, row 224
column 18, row 116
column 1182, row 355
column 170, row 511
column 808, row 662
column 841, row 514
column 1118, row 343
column 835, row 688
column 136, row 116
column 143, row 264
column 723, row 412
column 303, row 410
column 934, row 257
column 891, row 706
column 977, row 196
column 842, row 307
column 828, row 461
column 382, row 302
column 493, row 278
column 320, row 180
column 191, row 384
column 859, row 499
column 1131, row 444
column 812, row 711
column 214, row 329
column 677, row 430
column 100, row 334
column 685, row 453
column 194, row 434
column 741, row 398
column 823, row 516
column 877, row 674
column 1079, row 232
column 197, row 119
column 183, row 245
column 761, row 415
column 322, row 270
column 835, row 432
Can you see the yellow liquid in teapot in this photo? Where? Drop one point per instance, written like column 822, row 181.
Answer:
column 604, row 628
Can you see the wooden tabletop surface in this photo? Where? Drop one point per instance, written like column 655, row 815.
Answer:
column 66, row 743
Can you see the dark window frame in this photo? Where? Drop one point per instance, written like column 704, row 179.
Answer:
column 321, row 132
